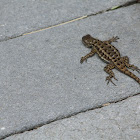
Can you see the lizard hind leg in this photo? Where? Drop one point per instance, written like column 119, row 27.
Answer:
column 108, row 69
column 133, row 67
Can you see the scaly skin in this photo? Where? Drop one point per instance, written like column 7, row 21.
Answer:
column 111, row 55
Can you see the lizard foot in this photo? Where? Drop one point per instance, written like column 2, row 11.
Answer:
column 108, row 79
column 135, row 68
column 114, row 39
column 83, row 59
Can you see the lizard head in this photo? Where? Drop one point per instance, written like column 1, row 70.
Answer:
column 88, row 41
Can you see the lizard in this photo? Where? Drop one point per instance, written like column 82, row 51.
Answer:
column 110, row 55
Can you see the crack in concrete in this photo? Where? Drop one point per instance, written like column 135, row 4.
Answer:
column 66, row 117
column 132, row 2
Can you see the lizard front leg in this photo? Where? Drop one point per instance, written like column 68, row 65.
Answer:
column 93, row 51
column 126, row 61
column 113, row 39
column 108, row 69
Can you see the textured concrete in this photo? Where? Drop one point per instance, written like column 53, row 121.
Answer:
column 42, row 78
column 18, row 17
column 120, row 121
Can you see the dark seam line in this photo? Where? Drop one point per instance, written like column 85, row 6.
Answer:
column 65, row 117
column 75, row 19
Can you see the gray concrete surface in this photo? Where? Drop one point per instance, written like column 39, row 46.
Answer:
column 120, row 121
column 42, row 78
column 18, row 17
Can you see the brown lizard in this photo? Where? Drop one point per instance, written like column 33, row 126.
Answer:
column 111, row 55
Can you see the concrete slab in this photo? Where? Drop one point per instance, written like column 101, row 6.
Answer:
column 118, row 121
column 18, row 17
column 42, row 78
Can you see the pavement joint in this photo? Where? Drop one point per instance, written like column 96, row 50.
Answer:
column 132, row 2
column 68, row 116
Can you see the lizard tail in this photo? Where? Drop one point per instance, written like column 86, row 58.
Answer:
column 130, row 74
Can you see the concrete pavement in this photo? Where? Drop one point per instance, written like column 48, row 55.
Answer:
column 19, row 17
column 42, row 79
column 118, row 121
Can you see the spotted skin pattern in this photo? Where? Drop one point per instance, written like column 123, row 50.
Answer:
column 111, row 55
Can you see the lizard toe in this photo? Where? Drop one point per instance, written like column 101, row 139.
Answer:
column 115, row 38
column 108, row 79
column 115, row 78
column 82, row 60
